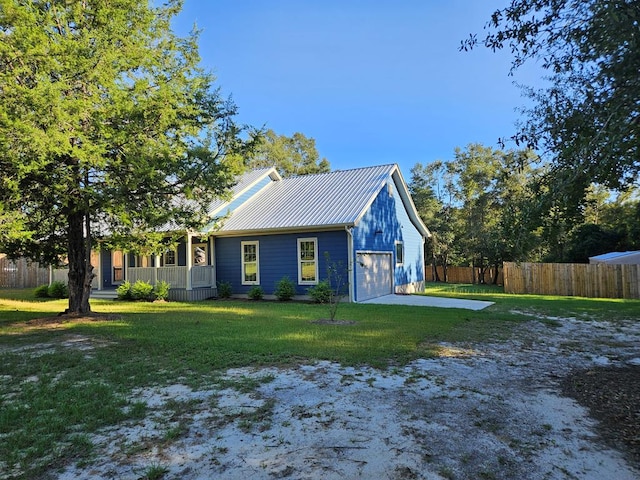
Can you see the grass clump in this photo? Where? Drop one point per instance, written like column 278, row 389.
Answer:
column 42, row 291
column 256, row 293
column 225, row 290
column 320, row 293
column 123, row 291
column 141, row 290
column 57, row 290
column 285, row 289
column 161, row 290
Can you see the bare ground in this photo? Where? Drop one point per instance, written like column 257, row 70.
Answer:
column 560, row 400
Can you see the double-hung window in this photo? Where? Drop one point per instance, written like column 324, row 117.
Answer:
column 399, row 253
column 250, row 263
column 170, row 258
column 307, row 261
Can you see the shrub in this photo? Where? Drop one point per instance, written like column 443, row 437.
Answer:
column 124, row 291
column 141, row 290
column 42, row 291
column 58, row 290
column 285, row 289
column 161, row 290
column 321, row 293
column 256, row 293
column 224, row 290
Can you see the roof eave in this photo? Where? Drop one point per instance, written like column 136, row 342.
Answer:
column 281, row 230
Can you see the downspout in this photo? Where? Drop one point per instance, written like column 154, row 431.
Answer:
column 424, row 264
column 350, row 263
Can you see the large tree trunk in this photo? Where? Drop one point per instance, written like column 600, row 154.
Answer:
column 434, row 269
column 496, row 272
column 80, row 269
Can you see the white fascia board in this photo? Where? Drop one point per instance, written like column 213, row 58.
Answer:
column 271, row 172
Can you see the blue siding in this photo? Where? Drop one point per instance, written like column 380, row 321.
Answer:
column 182, row 253
column 278, row 258
column 105, row 268
column 385, row 223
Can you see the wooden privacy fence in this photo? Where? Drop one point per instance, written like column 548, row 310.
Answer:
column 463, row 275
column 21, row 273
column 573, row 279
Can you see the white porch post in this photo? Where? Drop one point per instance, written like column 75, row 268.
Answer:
column 50, row 274
column 189, row 261
column 212, row 252
column 98, row 271
column 156, row 265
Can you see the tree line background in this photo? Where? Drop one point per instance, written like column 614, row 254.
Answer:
column 487, row 206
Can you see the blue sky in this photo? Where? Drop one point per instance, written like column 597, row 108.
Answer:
column 372, row 82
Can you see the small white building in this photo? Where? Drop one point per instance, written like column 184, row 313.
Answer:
column 617, row 258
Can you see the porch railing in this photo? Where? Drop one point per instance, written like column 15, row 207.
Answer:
column 62, row 275
column 174, row 276
column 202, row 276
column 144, row 274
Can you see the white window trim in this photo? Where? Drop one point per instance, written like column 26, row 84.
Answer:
column 242, row 245
column 121, row 267
column 175, row 257
column 205, row 247
column 395, row 252
column 317, row 261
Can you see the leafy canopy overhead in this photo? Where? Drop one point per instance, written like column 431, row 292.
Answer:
column 588, row 118
column 106, row 121
column 295, row 155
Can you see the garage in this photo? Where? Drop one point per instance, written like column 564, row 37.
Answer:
column 373, row 275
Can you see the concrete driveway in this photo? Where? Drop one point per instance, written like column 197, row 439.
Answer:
column 424, row 301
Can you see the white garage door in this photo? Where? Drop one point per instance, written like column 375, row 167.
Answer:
column 373, row 275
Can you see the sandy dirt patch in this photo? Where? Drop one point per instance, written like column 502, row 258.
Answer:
column 481, row 411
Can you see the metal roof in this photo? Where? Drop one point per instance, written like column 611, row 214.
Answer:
column 615, row 257
column 337, row 198
column 246, row 181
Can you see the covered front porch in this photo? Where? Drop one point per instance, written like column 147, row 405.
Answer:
column 188, row 269
column 187, row 283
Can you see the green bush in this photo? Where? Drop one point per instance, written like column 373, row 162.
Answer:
column 256, row 293
column 124, row 291
column 161, row 290
column 320, row 293
column 42, row 291
column 141, row 290
column 224, row 290
column 58, row 290
column 285, row 289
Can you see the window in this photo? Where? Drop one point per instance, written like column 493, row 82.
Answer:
column 117, row 264
column 250, row 263
column 399, row 253
column 169, row 258
column 307, row 261
column 199, row 254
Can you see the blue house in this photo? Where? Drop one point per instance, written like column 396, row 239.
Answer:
column 361, row 221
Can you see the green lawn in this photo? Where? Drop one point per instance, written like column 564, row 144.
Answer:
column 54, row 395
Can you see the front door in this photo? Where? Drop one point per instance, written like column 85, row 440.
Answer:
column 117, row 267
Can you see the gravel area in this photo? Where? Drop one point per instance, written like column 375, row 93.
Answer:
column 550, row 403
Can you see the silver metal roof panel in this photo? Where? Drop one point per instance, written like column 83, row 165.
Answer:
column 334, row 198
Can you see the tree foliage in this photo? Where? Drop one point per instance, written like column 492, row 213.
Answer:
column 487, row 206
column 295, row 155
column 108, row 123
column 588, row 118
column 479, row 206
